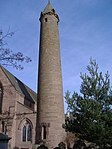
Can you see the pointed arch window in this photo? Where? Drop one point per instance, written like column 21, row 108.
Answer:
column 26, row 132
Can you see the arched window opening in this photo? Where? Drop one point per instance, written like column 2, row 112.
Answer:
column 26, row 132
column 43, row 132
column 45, row 19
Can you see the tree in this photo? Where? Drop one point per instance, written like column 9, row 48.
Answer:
column 91, row 110
column 7, row 56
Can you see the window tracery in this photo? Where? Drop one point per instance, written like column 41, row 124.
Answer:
column 26, row 131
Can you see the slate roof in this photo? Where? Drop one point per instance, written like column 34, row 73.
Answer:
column 20, row 86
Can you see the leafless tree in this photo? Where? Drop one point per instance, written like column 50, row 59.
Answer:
column 7, row 56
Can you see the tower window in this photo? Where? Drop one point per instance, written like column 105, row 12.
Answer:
column 45, row 19
column 43, row 132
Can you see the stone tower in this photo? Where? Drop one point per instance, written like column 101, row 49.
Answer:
column 50, row 109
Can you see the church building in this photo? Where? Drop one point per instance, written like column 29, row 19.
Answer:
column 24, row 117
column 17, row 110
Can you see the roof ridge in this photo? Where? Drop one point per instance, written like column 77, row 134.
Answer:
column 19, row 86
column 4, row 70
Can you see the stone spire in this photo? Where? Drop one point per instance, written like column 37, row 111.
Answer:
column 48, row 8
column 50, row 105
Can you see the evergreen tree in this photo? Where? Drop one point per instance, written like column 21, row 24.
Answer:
column 91, row 110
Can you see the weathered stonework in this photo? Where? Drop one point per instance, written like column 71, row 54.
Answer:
column 19, row 104
column 50, row 93
column 14, row 112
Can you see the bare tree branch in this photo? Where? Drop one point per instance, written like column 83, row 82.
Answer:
column 7, row 56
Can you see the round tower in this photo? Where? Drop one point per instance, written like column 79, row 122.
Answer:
column 50, row 105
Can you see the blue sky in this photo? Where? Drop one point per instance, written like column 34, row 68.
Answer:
column 85, row 31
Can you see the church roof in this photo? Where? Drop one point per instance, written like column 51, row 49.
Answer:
column 20, row 86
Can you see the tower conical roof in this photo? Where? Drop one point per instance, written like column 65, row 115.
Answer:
column 49, row 8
